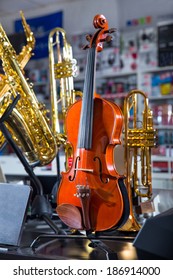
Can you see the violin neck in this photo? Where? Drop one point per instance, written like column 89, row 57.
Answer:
column 86, row 117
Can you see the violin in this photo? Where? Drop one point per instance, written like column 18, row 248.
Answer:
column 91, row 194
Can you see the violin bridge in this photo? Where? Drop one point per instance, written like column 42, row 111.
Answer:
column 85, row 169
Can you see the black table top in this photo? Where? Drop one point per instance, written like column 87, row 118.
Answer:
column 38, row 241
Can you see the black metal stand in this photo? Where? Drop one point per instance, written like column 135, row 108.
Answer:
column 55, row 187
column 40, row 206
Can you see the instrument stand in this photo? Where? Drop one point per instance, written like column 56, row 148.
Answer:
column 95, row 243
column 55, row 187
column 40, row 206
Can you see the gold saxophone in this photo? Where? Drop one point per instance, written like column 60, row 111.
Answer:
column 28, row 123
column 62, row 67
column 138, row 142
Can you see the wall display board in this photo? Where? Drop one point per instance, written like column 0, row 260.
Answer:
column 165, row 44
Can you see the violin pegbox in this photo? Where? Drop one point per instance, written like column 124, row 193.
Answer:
column 102, row 35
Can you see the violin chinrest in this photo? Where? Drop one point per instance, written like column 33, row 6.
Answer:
column 70, row 215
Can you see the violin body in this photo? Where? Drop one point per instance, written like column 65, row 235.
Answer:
column 94, row 168
column 91, row 194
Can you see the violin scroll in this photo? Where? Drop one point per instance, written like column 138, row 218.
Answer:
column 102, row 35
column 100, row 21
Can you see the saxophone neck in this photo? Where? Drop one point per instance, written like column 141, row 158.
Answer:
column 26, row 52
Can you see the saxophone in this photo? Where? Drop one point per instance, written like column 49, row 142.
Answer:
column 28, row 122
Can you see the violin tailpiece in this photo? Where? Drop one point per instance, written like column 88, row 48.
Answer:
column 83, row 192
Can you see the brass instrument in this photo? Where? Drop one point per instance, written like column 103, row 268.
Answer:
column 26, row 52
column 63, row 68
column 23, row 59
column 138, row 141
column 28, row 123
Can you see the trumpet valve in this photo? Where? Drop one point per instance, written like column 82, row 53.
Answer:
column 65, row 69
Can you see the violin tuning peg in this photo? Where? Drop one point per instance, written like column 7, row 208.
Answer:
column 88, row 37
column 112, row 30
column 85, row 47
column 108, row 39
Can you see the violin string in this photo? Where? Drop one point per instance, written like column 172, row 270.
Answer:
column 84, row 107
column 91, row 102
column 86, row 120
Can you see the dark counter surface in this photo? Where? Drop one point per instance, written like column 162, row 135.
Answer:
column 38, row 241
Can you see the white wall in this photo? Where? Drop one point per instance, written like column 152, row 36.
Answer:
column 78, row 15
column 132, row 9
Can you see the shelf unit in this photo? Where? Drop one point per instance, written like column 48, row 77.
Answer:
column 115, row 75
column 118, row 97
column 100, row 75
column 138, row 73
column 162, row 106
column 162, row 163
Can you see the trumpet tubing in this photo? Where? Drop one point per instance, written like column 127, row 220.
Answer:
column 139, row 138
column 62, row 68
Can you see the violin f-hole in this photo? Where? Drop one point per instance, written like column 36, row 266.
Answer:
column 75, row 169
column 100, row 171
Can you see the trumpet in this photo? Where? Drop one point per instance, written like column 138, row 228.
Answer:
column 63, row 68
column 139, row 139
